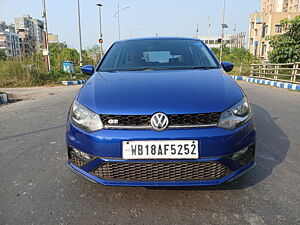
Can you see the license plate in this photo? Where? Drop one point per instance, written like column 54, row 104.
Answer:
column 176, row 149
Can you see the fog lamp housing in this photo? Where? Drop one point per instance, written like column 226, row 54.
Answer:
column 85, row 157
column 244, row 156
column 82, row 154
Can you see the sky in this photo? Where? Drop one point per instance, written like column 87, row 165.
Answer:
column 143, row 18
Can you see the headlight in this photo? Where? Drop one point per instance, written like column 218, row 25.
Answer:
column 85, row 118
column 235, row 116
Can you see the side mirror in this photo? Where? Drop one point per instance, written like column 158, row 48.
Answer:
column 88, row 70
column 227, row 66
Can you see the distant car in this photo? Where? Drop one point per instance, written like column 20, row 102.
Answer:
column 160, row 112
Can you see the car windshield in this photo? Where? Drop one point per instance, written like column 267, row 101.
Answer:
column 159, row 54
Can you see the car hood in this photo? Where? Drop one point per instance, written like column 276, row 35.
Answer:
column 171, row 92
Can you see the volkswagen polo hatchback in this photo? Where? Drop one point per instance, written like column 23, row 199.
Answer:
column 160, row 112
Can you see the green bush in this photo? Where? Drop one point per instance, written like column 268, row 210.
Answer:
column 2, row 55
column 14, row 73
column 30, row 71
column 237, row 56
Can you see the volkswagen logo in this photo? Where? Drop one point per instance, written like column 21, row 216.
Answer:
column 159, row 121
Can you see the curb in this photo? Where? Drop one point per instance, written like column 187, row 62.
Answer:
column 76, row 82
column 3, row 98
column 289, row 86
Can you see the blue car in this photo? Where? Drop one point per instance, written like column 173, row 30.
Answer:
column 160, row 112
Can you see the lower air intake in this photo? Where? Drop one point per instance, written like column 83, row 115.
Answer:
column 162, row 171
column 76, row 160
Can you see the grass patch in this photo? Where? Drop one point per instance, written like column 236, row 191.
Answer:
column 15, row 73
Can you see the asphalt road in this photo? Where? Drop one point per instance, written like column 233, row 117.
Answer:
column 36, row 187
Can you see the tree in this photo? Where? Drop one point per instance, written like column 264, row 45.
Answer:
column 68, row 54
column 59, row 53
column 226, row 52
column 241, row 55
column 3, row 55
column 94, row 53
column 235, row 55
column 286, row 47
column 86, row 59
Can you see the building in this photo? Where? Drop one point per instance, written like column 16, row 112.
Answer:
column 280, row 5
column 238, row 40
column 38, row 34
column 52, row 38
column 231, row 41
column 214, row 41
column 30, row 34
column 25, row 29
column 267, row 23
column 9, row 40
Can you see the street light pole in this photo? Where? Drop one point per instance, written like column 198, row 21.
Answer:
column 208, row 27
column 118, row 14
column 119, row 29
column 79, row 30
column 101, row 34
column 45, row 37
column 222, row 31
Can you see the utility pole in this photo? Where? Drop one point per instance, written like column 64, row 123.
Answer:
column 45, row 38
column 79, row 30
column 222, row 31
column 119, row 29
column 234, row 39
column 118, row 15
column 101, row 34
column 208, row 27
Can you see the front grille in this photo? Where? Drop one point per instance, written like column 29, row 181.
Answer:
column 175, row 120
column 132, row 120
column 76, row 160
column 162, row 171
column 194, row 119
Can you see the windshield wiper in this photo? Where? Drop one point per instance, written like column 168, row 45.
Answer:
column 203, row 67
column 141, row 69
column 122, row 70
column 191, row 68
column 177, row 68
column 165, row 68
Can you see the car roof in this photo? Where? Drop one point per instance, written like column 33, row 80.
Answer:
column 158, row 38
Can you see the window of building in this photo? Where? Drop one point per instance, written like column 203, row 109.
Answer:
column 263, row 49
column 278, row 29
column 265, row 30
column 255, row 50
column 251, row 41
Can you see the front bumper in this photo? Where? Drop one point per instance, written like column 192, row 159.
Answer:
column 217, row 147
